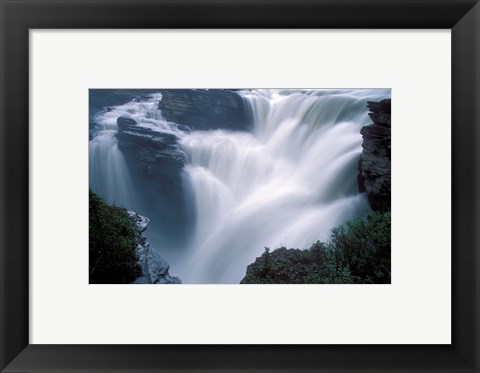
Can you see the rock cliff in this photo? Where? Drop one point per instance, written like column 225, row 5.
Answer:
column 374, row 176
column 204, row 109
column 155, row 153
column 154, row 268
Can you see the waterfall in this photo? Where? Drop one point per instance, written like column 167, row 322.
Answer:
column 287, row 181
column 109, row 174
column 121, row 182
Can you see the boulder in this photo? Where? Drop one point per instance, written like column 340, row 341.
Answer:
column 125, row 121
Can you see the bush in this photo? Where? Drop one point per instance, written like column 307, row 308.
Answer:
column 358, row 252
column 365, row 247
column 113, row 238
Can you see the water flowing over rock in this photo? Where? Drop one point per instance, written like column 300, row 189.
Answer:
column 155, row 153
column 204, row 109
column 150, row 141
column 154, row 267
column 375, row 162
column 289, row 180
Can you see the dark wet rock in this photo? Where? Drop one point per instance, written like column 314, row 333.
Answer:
column 124, row 122
column 203, row 109
column 375, row 162
column 156, row 154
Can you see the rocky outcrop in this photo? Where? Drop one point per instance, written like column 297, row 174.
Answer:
column 155, row 153
column 154, row 267
column 104, row 99
column 374, row 176
column 203, row 109
column 281, row 266
column 149, row 142
column 359, row 252
column 155, row 161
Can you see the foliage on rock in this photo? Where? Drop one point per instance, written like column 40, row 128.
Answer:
column 358, row 253
column 113, row 237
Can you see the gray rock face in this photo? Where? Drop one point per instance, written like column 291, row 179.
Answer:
column 375, row 162
column 155, row 153
column 204, row 109
column 154, row 267
column 141, row 221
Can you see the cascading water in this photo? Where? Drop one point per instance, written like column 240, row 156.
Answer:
column 121, row 182
column 287, row 181
column 109, row 174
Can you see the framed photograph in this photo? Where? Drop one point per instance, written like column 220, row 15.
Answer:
column 272, row 185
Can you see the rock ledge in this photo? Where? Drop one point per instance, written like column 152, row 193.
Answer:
column 154, row 267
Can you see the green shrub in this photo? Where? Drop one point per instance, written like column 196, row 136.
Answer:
column 365, row 247
column 113, row 237
column 358, row 252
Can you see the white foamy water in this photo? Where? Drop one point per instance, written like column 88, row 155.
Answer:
column 288, row 182
column 108, row 172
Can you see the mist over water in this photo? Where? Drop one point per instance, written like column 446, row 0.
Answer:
column 109, row 175
column 119, row 181
column 287, row 181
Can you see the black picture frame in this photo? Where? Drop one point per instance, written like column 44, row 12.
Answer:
column 18, row 16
